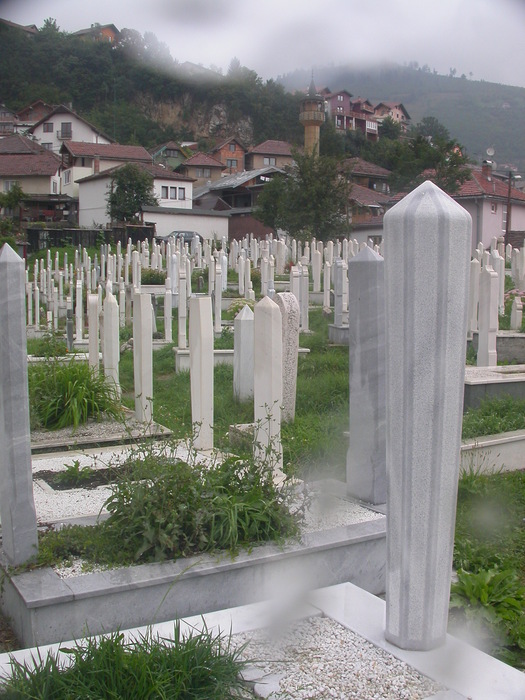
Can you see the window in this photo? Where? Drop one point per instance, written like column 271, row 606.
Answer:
column 164, row 192
column 170, row 153
column 47, row 146
column 55, row 187
column 340, row 98
column 269, row 160
column 231, row 162
column 340, row 110
column 493, row 208
column 504, row 218
column 67, row 177
column 66, row 130
column 173, row 193
column 9, row 184
column 202, row 172
column 182, row 193
column 232, row 148
column 48, row 128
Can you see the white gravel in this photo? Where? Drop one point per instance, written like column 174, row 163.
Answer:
column 318, row 658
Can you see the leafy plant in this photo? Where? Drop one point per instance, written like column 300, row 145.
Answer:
column 68, row 394
column 74, row 475
column 51, row 344
column 199, row 665
column 496, row 415
column 149, row 276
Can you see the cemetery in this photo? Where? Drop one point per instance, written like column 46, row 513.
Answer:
column 263, row 439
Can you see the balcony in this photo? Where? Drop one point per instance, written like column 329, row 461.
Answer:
column 64, row 134
column 312, row 117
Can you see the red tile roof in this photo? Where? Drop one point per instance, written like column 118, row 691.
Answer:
column 274, row 148
column 156, row 171
column 108, row 151
column 202, row 159
column 22, row 165
column 480, row 185
column 358, row 166
column 16, row 143
column 366, row 197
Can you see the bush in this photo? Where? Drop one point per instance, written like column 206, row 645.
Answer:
column 68, row 394
column 148, row 276
column 49, row 345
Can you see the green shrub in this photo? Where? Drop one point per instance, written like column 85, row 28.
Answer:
column 68, row 394
column 498, row 415
column 51, row 344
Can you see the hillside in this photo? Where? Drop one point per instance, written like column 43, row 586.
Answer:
column 478, row 114
column 137, row 93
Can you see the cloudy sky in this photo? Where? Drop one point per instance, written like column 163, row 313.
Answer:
column 481, row 38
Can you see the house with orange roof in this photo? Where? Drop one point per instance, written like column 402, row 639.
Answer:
column 396, row 111
column 269, row 153
column 347, row 114
column 172, row 190
column 31, row 114
column 63, row 124
column 230, row 153
column 368, row 175
column 37, row 171
column 81, row 159
column 99, row 32
column 202, row 168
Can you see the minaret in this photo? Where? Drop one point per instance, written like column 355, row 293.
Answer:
column 312, row 116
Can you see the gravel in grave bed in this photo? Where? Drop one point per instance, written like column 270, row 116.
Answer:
column 318, row 658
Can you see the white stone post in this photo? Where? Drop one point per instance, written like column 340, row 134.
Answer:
column 427, row 241
column 168, row 311
column 201, row 371
column 78, row 310
column 290, row 315
column 17, row 506
column 488, row 317
column 93, row 330
column 473, row 297
column 182, row 310
column 217, row 298
column 143, row 357
column 516, row 314
column 268, row 383
column 243, row 354
column 327, row 276
column 366, row 456
column 111, row 352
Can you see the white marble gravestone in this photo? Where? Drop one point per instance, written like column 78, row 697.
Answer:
column 290, row 315
column 427, row 243
column 243, row 354
column 201, row 371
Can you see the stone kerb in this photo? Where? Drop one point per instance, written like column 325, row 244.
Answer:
column 17, row 507
column 366, row 457
column 427, row 241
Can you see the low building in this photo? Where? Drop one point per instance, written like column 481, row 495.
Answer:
column 271, row 153
column 230, row 153
column 63, row 124
column 396, row 111
column 202, row 168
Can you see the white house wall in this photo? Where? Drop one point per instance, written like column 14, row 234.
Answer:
column 79, row 131
column 185, row 203
column 209, row 227
column 38, row 184
column 488, row 220
column 92, row 203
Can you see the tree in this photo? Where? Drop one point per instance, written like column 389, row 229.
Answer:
column 310, row 199
column 389, row 129
column 430, row 127
column 131, row 189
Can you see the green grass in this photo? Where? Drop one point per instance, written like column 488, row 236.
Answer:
column 499, row 415
column 198, row 666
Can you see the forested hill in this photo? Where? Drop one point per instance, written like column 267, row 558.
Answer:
column 478, row 114
column 136, row 92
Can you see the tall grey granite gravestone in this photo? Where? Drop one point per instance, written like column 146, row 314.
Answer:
column 366, row 457
column 427, row 244
column 290, row 314
column 17, row 506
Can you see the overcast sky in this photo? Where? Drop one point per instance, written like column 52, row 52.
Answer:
column 479, row 37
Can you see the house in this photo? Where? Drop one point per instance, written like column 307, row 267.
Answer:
column 396, row 112
column 230, row 153
column 29, row 29
column 202, row 168
column 63, row 124
column 350, row 115
column 81, row 159
column 99, row 32
column 171, row 154
column 33, row 113
column 172, row 190
column 210, row 224
column 367, row 208
column 239, row 192
column 37, row 171
column 486, row 197
column 269, row 153
column 8, row 121
column 368, row 175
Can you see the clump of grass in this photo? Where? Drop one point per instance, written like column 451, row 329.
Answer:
column 200, row 666
column 49, row 345
column 498, row 415
column 162, row 509
column 68, row 394
column 149, row 276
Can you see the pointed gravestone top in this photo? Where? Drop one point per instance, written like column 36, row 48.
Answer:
column 245, row 313
column 7, row 254
column 366, row 255
column 428, row 198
